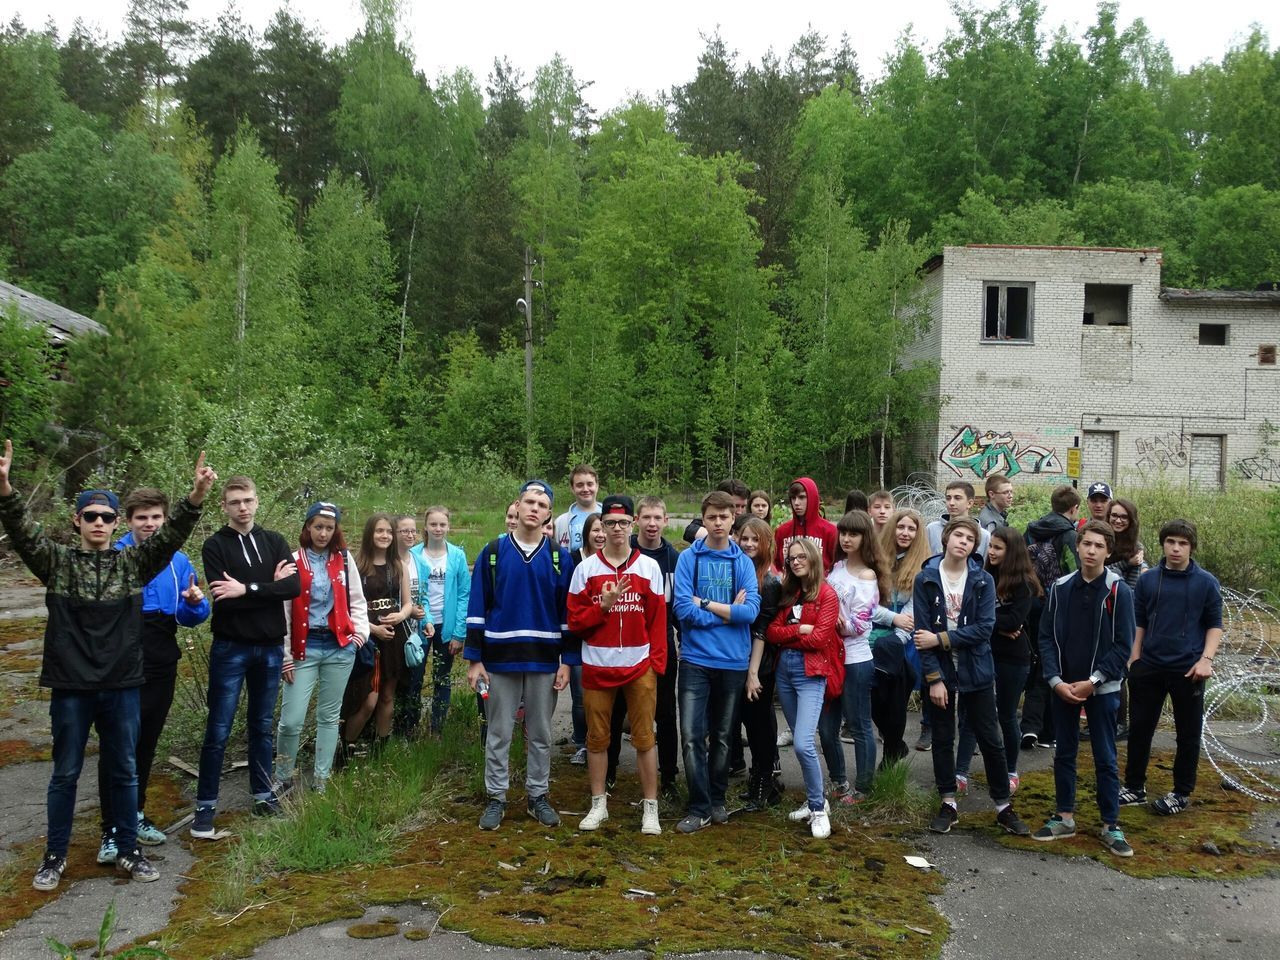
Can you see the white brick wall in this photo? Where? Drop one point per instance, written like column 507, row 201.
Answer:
column 1018, row 406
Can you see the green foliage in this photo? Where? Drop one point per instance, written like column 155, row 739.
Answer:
column 105, row 931
column 29, row 94
column 26, row 390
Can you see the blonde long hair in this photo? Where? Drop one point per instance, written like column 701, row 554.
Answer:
column 902, row 576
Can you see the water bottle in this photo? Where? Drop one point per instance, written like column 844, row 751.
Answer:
column 482, row 688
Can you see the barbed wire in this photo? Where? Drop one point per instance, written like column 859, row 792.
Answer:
column 1241, row 699
column 918, row 494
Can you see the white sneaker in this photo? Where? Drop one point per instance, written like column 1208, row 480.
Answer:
column 803, row 814
column 784, row 738
column 597, row 815
column 649, row 818
column 820, row 825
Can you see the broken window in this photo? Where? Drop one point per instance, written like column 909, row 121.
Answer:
column 1213, row 334
column 1106, row 305
column 1007, row 311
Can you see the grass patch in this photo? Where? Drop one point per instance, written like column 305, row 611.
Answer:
column 895, row 800
column 1163, row 846
column 760, row 883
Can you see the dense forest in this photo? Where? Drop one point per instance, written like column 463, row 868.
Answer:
column 309, row 257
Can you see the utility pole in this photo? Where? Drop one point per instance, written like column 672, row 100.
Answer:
column 527, row 303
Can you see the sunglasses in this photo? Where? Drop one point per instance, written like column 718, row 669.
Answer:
column 93, row 516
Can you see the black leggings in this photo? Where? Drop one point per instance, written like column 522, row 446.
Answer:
column 762, row 727
column 154, row 700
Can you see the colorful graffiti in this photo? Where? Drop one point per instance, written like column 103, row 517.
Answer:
column 1265, row 469
column 984, row 453
column 1161, row 452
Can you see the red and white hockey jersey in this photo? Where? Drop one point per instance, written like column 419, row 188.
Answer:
column 620, row 645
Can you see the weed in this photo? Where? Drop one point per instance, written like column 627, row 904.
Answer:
column 105, row 932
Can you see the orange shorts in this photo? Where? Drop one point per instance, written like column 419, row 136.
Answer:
column 642, row 704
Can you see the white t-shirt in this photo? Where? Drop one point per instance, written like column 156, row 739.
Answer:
column 858, row 600
column 953, row 590
column 435, row 585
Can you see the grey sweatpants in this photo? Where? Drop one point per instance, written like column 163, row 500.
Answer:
column 506, row 690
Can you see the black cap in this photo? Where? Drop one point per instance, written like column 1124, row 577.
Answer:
column 619, row 505
column 1098, row 489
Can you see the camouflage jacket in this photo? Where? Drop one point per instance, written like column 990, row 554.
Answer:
column 93, row 638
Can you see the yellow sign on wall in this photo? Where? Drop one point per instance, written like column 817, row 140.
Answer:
column 1073, row 463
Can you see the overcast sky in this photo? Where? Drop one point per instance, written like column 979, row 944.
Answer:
column 652, row 46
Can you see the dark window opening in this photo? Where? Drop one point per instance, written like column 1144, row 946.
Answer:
column 1106, row 305
column 1267, row 354
column 1213, row 334
column 1007, row 312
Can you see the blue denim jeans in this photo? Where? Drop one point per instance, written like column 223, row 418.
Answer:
column 801, row 698
column 1011, row 678
column 234, row 665
column 115, row 714
column 324, row 671
column 854, row 707
column 441, row 683
column 578, row 713
column 1100, row 709
column 710, row 701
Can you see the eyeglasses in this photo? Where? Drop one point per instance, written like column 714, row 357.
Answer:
column 798, row 558
column 1118, row 516
column 93, row 516
column 615, row 524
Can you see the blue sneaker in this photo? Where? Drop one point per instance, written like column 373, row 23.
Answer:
column 149, row 834
column 107, row 853
column 202, row 827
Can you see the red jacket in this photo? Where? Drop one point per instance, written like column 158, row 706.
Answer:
column 823, row 648
column 348, row 619
column 812, row 525
column 620, row 645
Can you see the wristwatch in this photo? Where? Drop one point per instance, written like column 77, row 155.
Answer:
column 1096, row 679
column 253, row 588
column 704, row 603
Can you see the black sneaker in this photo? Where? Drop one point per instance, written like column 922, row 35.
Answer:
column 926, row 741
column 137, row 867
column 494, row 811
column 202, row 827
column 267, row 807
column 945, row 819
column 50, row 873
column 542, row 811
column 1011, row 823
column 1132, row 798
column 1029, row 741
column 1047, row 744
column 1171, row 803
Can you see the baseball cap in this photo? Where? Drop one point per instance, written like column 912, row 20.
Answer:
column 618, row 505
column 541, row 486
column 1098, row 489
column 323, row 508
column 98, row 498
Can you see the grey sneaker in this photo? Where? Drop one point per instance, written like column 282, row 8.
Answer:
column 944, row 819
column 148, row 833
column 50, row 873
column 1055, row 828
column 1113, row 839
column 692, row 823
column 579, row 758
column 137, row 867
column 542, row 811
column 719, row 814
column 107, row 853
column 494, row 811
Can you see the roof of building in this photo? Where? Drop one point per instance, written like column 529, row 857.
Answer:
column 61, row 323
column 1257, row 297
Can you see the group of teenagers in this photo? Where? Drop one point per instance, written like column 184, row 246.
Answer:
column 841, row 622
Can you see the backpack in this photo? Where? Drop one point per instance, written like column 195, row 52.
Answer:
column 1047, row 560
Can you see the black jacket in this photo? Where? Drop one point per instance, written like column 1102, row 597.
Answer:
column 251, row 558
column 1011, row 616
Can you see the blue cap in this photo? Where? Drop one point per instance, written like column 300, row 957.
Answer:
column 541, row 486
column 323, row 508
column 98, row 498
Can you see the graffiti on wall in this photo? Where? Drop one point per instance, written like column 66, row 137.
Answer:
column 987, row 452
column 1266, row 469
column 1166, row 451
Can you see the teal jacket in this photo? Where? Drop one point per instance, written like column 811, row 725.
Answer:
column 457, row 592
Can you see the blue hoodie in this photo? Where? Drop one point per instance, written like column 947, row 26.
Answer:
column 1175, row 609
column 716, row 575
column 164, row 593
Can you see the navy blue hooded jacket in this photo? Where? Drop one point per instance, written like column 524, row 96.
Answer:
column 1067, row 656
column 1175, row 609
column 964, row 659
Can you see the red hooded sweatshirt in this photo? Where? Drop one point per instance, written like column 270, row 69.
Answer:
column 812, row 525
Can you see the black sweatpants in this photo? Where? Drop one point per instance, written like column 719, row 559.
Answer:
column 1148, row 687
